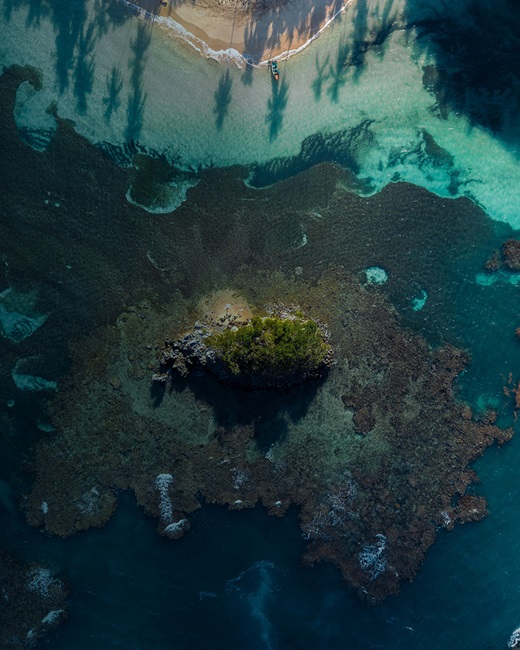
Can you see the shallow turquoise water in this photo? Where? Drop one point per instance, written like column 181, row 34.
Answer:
column 123, row 79
column 235, row 580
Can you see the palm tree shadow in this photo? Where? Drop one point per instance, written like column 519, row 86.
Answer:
column 84, row 74
column 486, row 89
column 114, row 86
column 222, row 98
column 317, row 84
column 137, row 97
column 247, row 76
column 35, row 13
column 276, row 106
column 338, row 72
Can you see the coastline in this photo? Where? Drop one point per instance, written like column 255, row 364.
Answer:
column 245, row 36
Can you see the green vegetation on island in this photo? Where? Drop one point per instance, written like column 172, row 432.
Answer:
column 275, row 345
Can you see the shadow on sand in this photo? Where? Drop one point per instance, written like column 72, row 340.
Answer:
column 276, row 106
column 137, row 97
column 222, row 98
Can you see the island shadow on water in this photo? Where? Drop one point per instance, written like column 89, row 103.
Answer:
column 268, row 411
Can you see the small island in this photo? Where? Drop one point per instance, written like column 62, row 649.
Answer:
column 277, row 351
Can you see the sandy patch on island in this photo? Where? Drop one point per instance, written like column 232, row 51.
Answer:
column 225, row 303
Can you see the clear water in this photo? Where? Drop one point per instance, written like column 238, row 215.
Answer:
column 235, row 581
column 123, row 79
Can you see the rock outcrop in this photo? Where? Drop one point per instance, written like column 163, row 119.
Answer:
column 199, row 348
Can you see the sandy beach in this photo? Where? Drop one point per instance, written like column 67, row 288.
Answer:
column 256, row 31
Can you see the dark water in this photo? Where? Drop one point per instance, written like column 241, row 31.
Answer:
column 235, row 580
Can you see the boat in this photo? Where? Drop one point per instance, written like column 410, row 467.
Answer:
column 274, row 70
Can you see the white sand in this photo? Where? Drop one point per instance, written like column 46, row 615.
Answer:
column 275, row 33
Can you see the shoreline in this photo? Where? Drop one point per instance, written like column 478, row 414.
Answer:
column 233, row 34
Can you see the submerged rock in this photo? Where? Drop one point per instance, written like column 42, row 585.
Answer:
column 376, row 275
column 511, row 254
column 15, row 325
column 419, row 301
column 508, row 258
column 32, row 383
column 25, row 381
column 33, row 602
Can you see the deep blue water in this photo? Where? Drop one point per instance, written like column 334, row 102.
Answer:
column 235, row 581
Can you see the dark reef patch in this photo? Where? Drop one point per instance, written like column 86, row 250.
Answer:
column 341, row 147
column 507, row 258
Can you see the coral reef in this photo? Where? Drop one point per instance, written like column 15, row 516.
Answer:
column 511, row 254
column 371, row 503
column 33, row 602
column 508, row 258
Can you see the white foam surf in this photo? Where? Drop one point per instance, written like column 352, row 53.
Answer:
column 174, row 195
column 241, row 60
